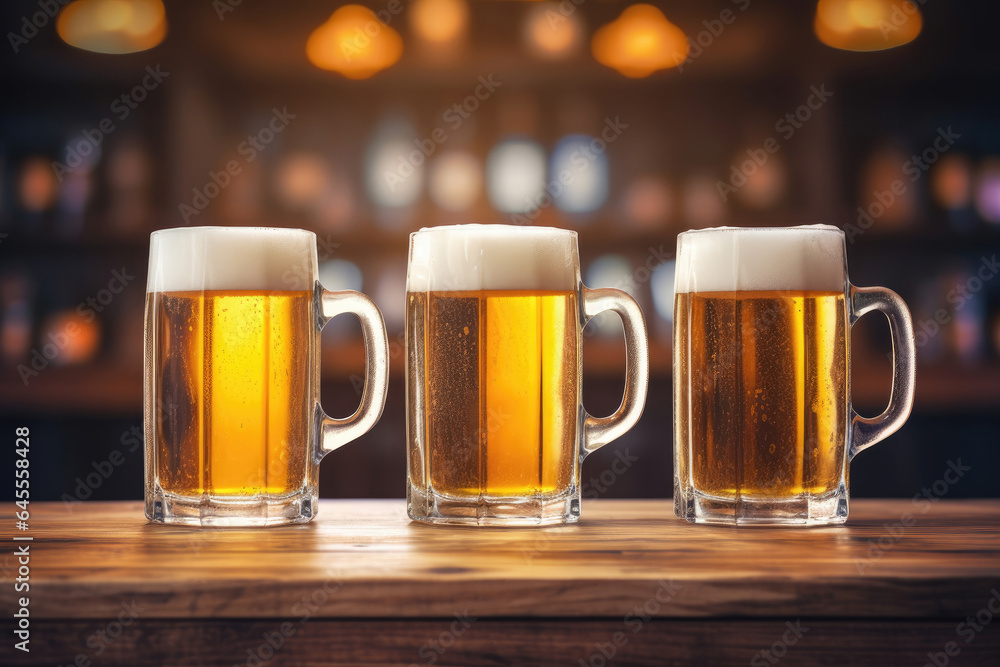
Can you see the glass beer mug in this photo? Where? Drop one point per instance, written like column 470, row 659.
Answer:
column 495, row 423
column 763, row 425
column 233, row 425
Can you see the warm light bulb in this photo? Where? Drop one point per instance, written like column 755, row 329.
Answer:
column 439, row 21
column 640, row 42
column 113, row 26
column 551, row 32
column 867, row 25
column 354, row 43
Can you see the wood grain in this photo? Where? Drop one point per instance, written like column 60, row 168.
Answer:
column 365, row 559
column 493, row 642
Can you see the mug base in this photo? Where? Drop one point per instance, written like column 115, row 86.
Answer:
column 803, row 510
column 484, row 510
column 228, row 512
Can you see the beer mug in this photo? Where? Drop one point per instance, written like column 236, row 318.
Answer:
column 495, row 425
column 763, row 424
column 233, row 424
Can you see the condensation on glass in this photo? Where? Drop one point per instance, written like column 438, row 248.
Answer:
column 763, row 426
column 495, row 423
column 234, row 429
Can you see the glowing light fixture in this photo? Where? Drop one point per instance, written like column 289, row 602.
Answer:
column 394, row 167
column 340, row 274
column 456, row 179
column 702, row 205
column 765, row 184
column 988, row 191
column 439, row 21
column 515, row 175
column 37, row 187
column 354, row 43
column 951, row 182
column 867, row 25
column 583, row 173
column 113, row 26
column 302, row 179
column 550, row 32
column 610, row 271
column 662, row 284
column 648, row 203
column 640, row 42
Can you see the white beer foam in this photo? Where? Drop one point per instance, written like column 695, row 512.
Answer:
column 731, row 259
column 187, row 259
column 492, row 257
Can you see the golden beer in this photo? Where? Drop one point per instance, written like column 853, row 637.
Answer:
column 760, row 386
column 495, row 426
column 232, row 418
column 231, row 374
column 494, row 391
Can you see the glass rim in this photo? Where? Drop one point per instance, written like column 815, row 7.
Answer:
column 814, row 228
column 167, row 231
column 467, row 228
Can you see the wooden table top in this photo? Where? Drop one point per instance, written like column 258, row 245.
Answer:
column 364, row 558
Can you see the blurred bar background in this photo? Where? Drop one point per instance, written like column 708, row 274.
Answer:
column 448, row 111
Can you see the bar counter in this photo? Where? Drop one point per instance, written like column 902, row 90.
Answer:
column 629, row 584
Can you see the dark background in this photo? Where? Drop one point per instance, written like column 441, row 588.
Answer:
column 685, row 129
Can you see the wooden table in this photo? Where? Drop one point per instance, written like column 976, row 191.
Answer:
column 363, row 585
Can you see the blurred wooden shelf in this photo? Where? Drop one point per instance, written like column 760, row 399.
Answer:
column 106, row 390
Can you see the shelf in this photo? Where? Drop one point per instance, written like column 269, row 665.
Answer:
column 109, row 390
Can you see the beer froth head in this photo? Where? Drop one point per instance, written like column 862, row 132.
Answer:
column 187, row 259
column 492, row 257
column 731, row 259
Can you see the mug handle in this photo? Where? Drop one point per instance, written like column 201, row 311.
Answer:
column 866, row 432
column 599, row 431
column 335, row 433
